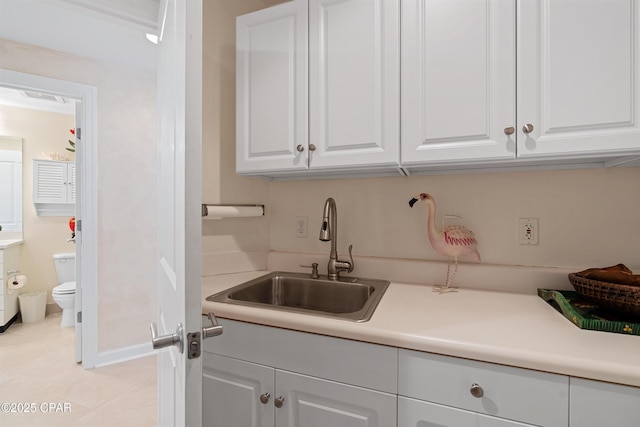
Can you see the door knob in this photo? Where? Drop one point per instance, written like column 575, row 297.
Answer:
column 476, row 390
column 528, row 128
column 312, row 147
column 162, row 341
column 264, row 398
column 509, row 130
column 279, row 402
column 213, row 330
column 300, row 148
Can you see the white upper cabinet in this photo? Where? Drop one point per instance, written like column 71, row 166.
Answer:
column 335, row 106
column 271, row 89
column 577, row 70
column 578, row 77
column 335, row 86
column 54, row 187
column 354, row 78
column 458, row 81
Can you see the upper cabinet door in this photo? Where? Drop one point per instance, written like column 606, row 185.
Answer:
column 458, row 81
column 578, row 77
column 51, row 181
column 271, row 80
column 354, row 82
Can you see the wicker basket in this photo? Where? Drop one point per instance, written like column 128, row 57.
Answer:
column 621, row 299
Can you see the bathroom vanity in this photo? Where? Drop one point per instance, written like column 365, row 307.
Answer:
column 9, row 262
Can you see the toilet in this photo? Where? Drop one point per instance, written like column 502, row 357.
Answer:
column 65, row 293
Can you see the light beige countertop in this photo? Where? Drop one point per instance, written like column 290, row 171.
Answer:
column 7, row 243
column 511, row 329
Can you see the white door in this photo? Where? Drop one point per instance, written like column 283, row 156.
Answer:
column 578, row 74
column 354, row 82
column 179, row 201
column 458, row 81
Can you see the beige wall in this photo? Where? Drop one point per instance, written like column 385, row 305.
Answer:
column 41, row 132
column 586, row 217
column 126, row 170
column 220, row 183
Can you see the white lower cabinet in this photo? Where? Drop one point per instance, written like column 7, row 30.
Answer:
column 259, row 376
column 9, row 261
column 232, row 391
column 256, row 376
column 595, row 403
column 418, row 413
column 313, row 402
column 467, row 393
column 240, row 393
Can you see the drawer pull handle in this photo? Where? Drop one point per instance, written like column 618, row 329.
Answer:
column 279, row 402
column 264, row 398
column 476, row 390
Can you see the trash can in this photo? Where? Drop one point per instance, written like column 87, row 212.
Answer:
column 33, row 306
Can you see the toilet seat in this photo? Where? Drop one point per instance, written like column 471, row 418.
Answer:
column 66, row 288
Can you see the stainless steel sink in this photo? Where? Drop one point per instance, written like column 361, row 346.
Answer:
column 348, row 298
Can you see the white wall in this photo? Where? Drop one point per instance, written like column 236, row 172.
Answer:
column 126, row 183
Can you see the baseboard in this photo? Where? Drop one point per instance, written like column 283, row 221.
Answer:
column 6, row 325
column 52, row 308
column 111, row 357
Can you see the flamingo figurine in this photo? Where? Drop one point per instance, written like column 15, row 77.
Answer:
column 453, row 241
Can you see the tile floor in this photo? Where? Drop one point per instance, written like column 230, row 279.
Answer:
column 37, row 367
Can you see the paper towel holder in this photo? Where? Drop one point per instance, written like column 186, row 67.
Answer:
column 231, row 211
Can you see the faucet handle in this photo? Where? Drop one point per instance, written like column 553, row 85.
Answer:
column 346, row 265
column 352, row 264
column 314, row 270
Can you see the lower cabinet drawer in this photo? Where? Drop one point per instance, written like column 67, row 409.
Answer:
column 417, row 413
column 595, row 403
column 499, row 391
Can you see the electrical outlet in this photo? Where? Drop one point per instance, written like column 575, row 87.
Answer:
column 528, row 231
column 301, row 226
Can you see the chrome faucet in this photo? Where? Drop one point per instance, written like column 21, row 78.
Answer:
column 329, row 232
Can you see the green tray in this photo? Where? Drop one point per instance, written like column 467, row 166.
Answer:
column 587, row 315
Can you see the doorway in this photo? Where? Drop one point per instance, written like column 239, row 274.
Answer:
column 86, row 200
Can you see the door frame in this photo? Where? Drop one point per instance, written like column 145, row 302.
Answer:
column 86, row 194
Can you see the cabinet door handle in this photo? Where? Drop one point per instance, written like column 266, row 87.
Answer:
column 476, row 390
column 312, row 147
column 264, row 398
column 528, row 128
column 279, row 402
column 509, row 130
column 300, row 148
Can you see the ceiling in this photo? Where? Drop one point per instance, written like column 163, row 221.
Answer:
column 89, row 28
column 143, row 13
column 22, row 99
